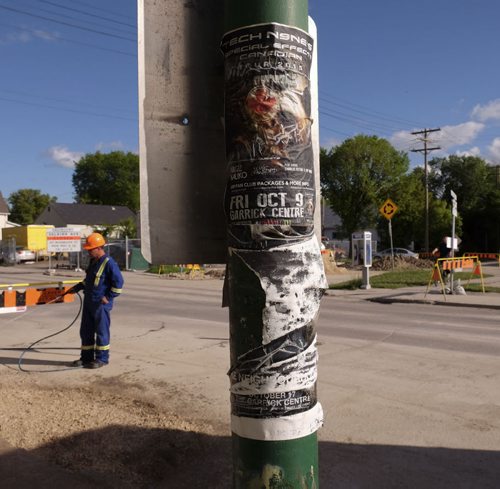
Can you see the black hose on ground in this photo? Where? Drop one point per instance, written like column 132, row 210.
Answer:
column 30, row 348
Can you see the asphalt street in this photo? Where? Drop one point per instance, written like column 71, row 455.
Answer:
column 409, row 389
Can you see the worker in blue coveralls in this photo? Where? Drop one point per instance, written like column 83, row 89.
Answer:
column 103, row 282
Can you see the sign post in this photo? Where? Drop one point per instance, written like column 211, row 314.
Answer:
column 388, row 209
column 63, row 240
column 454, row 214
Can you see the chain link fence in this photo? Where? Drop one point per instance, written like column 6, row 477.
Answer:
column 8, row 251
column 126, row 252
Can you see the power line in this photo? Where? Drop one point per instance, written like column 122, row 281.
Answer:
column 87, row 13
column 68, row 110
column 64, row 101
column 369, row 111
column 357, row 121
column 87, row 22
column 325, row 128
column 80, row 2
column 72, row 41
column 95, row 31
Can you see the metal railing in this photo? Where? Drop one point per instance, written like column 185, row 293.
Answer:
column 8, row 251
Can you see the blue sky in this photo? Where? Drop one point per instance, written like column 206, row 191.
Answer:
column 69, row 85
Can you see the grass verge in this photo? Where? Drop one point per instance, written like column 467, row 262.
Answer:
column 409, row 278
column 165, row 269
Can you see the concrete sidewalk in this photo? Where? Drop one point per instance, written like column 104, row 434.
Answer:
column 418, row 295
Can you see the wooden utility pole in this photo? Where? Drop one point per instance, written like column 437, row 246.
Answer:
column 426, row 150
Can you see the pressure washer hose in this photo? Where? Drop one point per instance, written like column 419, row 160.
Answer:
column 19, row 363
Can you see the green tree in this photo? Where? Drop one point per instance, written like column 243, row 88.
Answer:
column 478, row 200
column 27, row 204
column 358, row 176
column 468, row 176
column 409, row 221
column 109, row 179
column 440, row 221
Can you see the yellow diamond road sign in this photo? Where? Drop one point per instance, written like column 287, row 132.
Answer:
column 388, row 209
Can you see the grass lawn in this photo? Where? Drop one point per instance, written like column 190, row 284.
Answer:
column 409, row 278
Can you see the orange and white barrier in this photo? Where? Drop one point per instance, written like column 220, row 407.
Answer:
column 16, row 297
column 485, row 256
column 458, row 264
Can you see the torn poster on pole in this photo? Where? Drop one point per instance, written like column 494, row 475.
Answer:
column 275, row 277
column 268, row 126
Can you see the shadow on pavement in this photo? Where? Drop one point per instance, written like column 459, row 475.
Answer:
column 129, row 457
column 353, row 466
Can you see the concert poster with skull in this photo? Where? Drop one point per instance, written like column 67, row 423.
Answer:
column 268, row 128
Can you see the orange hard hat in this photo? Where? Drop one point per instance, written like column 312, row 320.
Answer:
column 95, row 240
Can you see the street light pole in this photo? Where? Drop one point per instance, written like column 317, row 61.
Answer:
column 275, row 277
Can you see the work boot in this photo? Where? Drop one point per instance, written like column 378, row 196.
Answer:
column 77, row 363
column 94, row 364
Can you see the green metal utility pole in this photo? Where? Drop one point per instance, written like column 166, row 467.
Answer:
column 275, row 277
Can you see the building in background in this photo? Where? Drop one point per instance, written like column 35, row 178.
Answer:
column 331, row 224
column 332, row 234
column 4, row 216
column 85, row 217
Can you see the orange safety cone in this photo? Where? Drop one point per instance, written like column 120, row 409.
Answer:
column 477, row 270
column 436, row 276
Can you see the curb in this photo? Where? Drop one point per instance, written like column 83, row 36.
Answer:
column 401, row 300
column 404, row 298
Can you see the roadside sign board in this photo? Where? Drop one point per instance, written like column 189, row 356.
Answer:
column 388, row 209
column 455, row 241
column 61, row 240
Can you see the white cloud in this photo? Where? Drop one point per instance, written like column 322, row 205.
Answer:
column 487, row 112
column 446, row 138
column 16, row 38
column 458, row 135
column 26, row 36
column 62, row 156
column 46, row 36
column 402, row 140
column 475, row 151
column 494, row 149
column 110, row 146
column 331, row 143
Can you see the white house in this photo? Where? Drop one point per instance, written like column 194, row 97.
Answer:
column 4, row 215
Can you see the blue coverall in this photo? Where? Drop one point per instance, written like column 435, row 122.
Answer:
column 103, row 279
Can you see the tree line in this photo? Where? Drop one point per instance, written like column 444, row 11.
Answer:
column 356, row 178
column 361, row 173
column 98, row 178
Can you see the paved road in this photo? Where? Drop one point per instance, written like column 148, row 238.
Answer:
column 410, row 391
